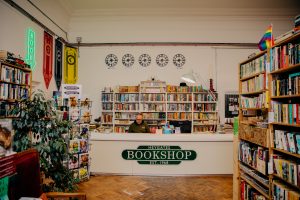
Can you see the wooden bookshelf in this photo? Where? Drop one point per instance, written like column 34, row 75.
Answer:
column 253, row 93
column 252, row 76
column 284, row 124
column 286, row 64
column 254, row 186
column 286, row 96
column 286, row 152
column 156, row 98
column 287, row 182
column 288, row 69
column 246, row 137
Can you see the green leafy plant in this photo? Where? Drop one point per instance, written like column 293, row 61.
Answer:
column 37, row 126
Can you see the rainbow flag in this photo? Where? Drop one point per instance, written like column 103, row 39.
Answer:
column 267, row 40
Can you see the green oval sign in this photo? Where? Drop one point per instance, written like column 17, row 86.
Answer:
column 159, row 155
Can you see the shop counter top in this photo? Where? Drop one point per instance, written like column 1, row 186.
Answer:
column 198, row 137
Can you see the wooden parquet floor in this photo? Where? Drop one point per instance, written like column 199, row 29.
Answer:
column 157, row 188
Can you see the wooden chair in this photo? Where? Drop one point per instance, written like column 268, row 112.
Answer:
column 27, row 181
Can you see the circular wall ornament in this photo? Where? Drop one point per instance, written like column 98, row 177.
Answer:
column 144, row 60
column 162, row 60
column 179, row 60
column 128, row 60
column 111, row 60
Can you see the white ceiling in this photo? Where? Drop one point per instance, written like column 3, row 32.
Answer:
column 89, row 6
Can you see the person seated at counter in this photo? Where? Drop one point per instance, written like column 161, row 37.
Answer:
column 139, row 125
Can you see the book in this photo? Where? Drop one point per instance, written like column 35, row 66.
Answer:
column 73, row 161
column 74, row 146
column 83, row 159
column 6, row 133
column 83, row 145
column 83, row 173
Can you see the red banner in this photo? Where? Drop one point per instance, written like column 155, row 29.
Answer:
column 48, row 58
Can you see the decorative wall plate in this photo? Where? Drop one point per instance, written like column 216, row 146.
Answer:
column 144, row 60
column 179, row 60
column 162, row 60
column 128, row 60
column 111, row 60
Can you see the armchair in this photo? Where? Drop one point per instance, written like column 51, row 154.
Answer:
column 27, row 181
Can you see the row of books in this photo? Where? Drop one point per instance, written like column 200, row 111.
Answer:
column 288, row 141
column 179, row 115
column 107, row 118
column 207, row 128
column 126, row 97
column 131, row 106
column 286, row 169
column 127, row 89
column 77, row 115
column 153, row 90
column 153, row 97
column 204, row 107
column 249, row 193
column 153, row 107
column 255, row 66
column 179, row 107
column 282, row 192
column 256, row 175
column 9, row 91
column 161, row 115
column 205, row 116
column 255, row 84
column 81, row 174
column 286, row 113
column 121, row 129
column 254, row 156
column 174, row 88
column 286, row 86
column 179, row 97
column 14, row 75
column 78, row 146
column 107, row 106
column 254, row 102
column 6, row 107
column 78, row 160
column 285, row 56
column 123, row 115
column 107, row 97
column 205, row 97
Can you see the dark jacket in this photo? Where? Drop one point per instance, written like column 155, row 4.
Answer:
column 139, row 128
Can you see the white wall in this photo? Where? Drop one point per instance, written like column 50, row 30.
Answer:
column 13, row 32
column 137, row 26
column 220, row 63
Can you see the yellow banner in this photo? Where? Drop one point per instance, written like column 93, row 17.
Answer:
column 70, row 66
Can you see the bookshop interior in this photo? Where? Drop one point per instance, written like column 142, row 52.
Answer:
column 143, row 100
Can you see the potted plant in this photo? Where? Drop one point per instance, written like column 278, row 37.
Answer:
column 37, row 126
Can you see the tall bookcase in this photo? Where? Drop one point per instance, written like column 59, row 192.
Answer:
column 15, row 83
column 159, row 103
column 284, row 83
column 269, row 153
column 253, row 130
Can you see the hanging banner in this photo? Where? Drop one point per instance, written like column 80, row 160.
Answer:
column 48, row 57
column 58, row 63
column 70, row 67
column 30, row 54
